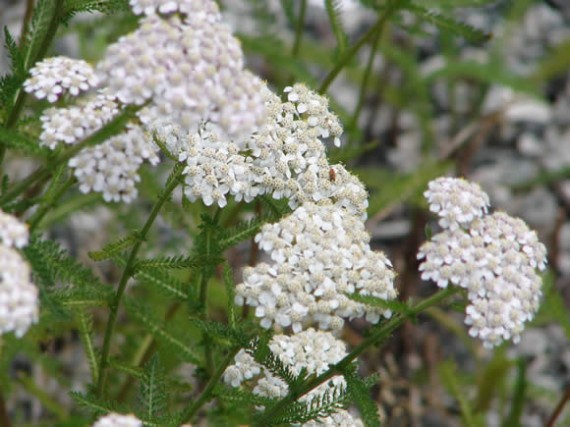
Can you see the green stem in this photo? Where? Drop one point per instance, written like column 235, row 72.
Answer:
column 144, row 352
column 205, row 396
column 378, row 336
column 299, row 28
column 127, row 274
column 44, row 173
column 204, row 280
column 365, row 78
column 44, row 208
column 349, row 54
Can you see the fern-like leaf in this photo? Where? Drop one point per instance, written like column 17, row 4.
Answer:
column 95, row 405
column 112, row 249
column 392, row 305
column 222, row 334
column 174, row 263
column 447, row 23
column 108, row 7
column 318, row 407
column 23, row 143
column 152, row 391
column 359, row 392
column 157, row 329
column 85, row 322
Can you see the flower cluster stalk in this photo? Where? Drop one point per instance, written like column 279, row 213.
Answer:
column 127, row 274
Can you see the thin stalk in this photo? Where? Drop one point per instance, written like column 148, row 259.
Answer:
column 26, row 21
column 205, row 396
column 45, row 208
column 127, row 274
column 378, row 336
column 204, row 280
column 44, row 173
column 299, row 28
column 144, row 352
column 365, row 78
column 349, row 54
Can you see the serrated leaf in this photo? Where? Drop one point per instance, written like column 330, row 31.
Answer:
column 447, row 23
column 175, row 263
column 392, row 305
column 360, row 395
column 85, row 322
column 157, row 329
column 15, row 54
column 95, row 405
column 110, row 250
column 152, row 391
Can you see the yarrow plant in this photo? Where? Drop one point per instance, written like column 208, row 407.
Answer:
column 177, row 326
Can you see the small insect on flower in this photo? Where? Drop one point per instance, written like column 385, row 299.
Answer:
column 332, row 175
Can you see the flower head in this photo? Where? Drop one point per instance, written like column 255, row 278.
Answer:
column 18, row 295
column 112, row 168
column 13, row 232
column 321, row 255
column 53, row 77
column 457, row 202
column 495, row 258
column 72, row 124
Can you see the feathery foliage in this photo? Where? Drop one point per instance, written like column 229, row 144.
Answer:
column 359, row 393
column 178, row 344
column 85, row 322
column 152, row 392
column 111, row 250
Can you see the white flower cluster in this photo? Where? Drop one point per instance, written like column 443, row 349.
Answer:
column 118, row 420
column 70, row 125
column 495, row 258
column 185, row 69
column 215, row 168
column 13, row 233
column 311, row 350
column 18, row 295
column 321, row 255
column 112, row 168
column 187, row 66
column 286, row 157
column 54, row 77
column 456, row 201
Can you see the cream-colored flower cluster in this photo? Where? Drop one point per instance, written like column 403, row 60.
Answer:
column 494, row 257
column 321, row 255
column 19, row 305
